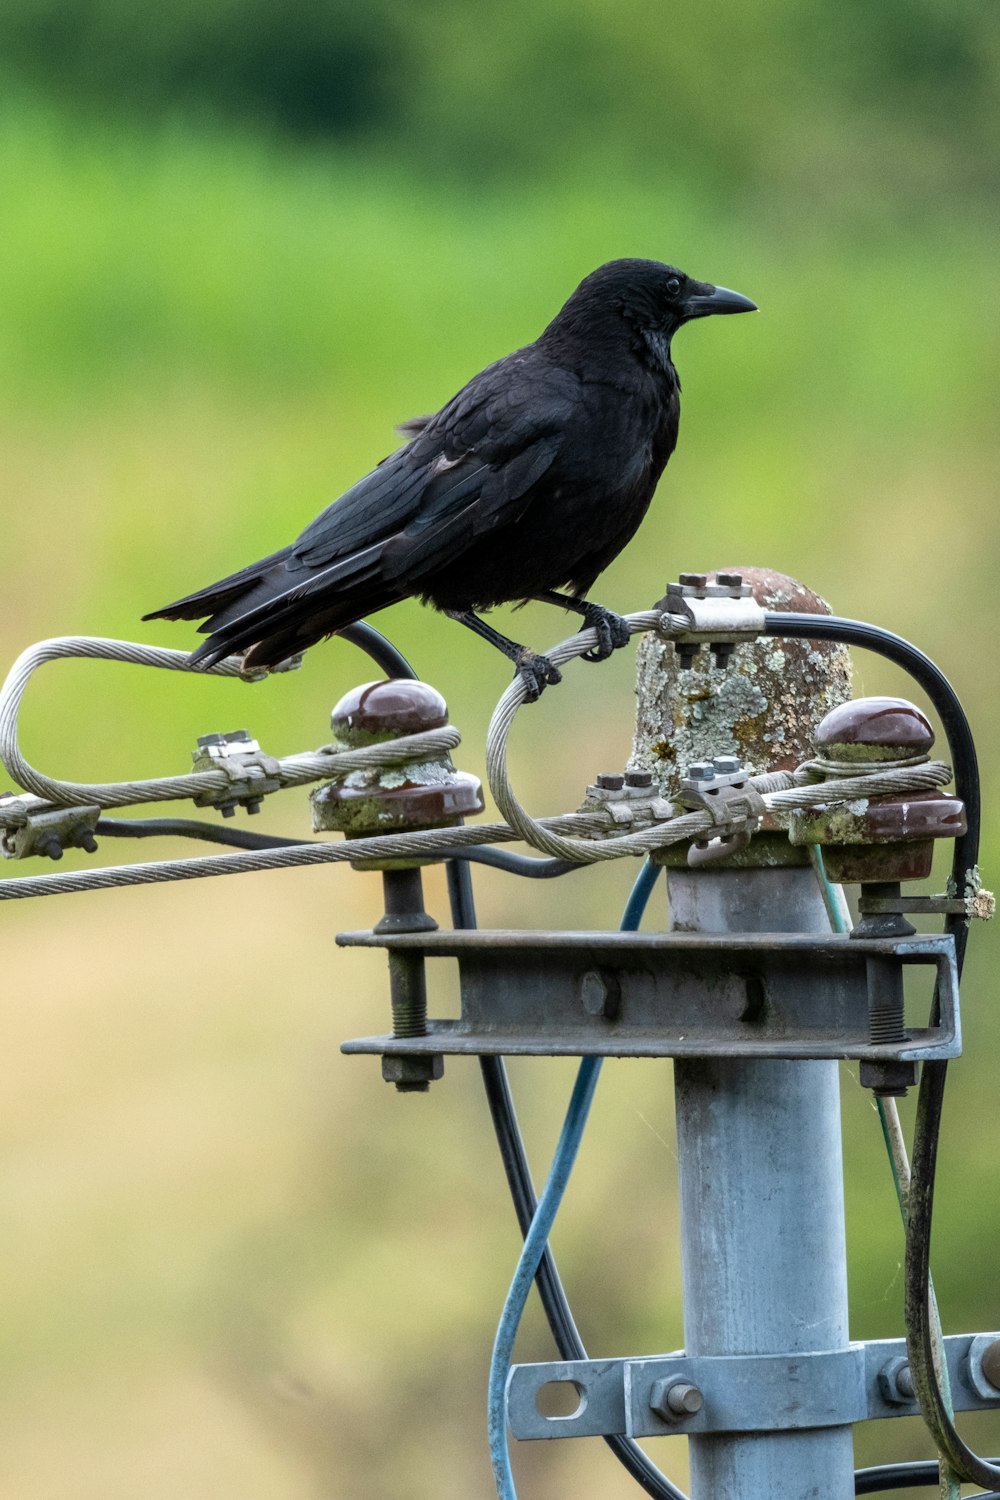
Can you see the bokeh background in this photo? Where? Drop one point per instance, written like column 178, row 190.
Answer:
column 240, row 242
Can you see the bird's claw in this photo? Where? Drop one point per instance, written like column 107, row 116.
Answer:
column 612, row 632
column 537, row 673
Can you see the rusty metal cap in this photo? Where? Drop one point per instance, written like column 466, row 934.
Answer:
column 888, row 728
column 379, row 711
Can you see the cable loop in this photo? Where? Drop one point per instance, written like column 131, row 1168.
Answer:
column 294, row 770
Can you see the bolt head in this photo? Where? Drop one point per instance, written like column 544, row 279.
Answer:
column 638, row 778
column 693, row 580
column 600, row 994
column 702, row 770
column 610, row 781
column 729, row 580
column 727, row 765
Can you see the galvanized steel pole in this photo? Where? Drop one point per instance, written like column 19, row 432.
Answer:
column 761, row 1184
column 762, row 1207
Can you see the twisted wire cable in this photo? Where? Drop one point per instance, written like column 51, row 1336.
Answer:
column 293, row 770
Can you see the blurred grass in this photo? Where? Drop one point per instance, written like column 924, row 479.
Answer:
column 233, row 1261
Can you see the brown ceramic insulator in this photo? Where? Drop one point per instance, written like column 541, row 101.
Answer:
column 890, row 728
column 385, row 710
column 423, row 793
column 362, row 811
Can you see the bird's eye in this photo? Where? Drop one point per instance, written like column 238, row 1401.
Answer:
column 674, row 286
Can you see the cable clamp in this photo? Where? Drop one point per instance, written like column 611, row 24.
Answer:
column 723, row 789
column 250, row 773
column 628, row 802
column 44, row 829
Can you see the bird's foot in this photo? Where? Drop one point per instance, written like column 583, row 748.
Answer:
column 536, row 672
column 612, row 632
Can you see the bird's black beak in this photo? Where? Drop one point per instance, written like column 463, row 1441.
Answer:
column 717, row 299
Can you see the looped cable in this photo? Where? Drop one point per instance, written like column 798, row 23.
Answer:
column 294, row 770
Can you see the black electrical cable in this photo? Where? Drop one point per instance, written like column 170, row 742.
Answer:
column 910, row 1476
column 930, row 1097
column 192, row 828
column 381, row 650
column 515, row 864
column 239, row 838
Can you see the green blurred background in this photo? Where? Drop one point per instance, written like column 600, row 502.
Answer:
column 239, row 243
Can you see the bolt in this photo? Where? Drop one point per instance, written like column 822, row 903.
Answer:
column 227, row 809
column 721, row 653
column 688, row 654
column 638, row 778
column 412, row 1073
column 88, row 842
column 254, row 805
column 675, row 1398
column 729, row 580
column 702, row 770
column 990, row 1362
column 610, row 781
column 694, row 580
column 727, row 765
column 600, row 994
column 890, row 1080
column 51, row 847
column 895, row 1381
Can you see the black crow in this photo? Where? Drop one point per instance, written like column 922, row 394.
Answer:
column 533, row 477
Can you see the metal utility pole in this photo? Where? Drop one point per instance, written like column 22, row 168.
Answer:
column 762, row 1213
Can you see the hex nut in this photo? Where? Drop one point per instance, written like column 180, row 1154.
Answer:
column 983, row 1367
column 895, row 1381
column 412, row 1072
column 675, row 1399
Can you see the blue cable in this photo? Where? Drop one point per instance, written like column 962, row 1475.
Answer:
column 537, row 1237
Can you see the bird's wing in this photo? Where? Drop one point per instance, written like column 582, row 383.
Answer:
column 470, row 467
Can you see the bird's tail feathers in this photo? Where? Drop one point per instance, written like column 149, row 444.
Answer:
column 218, row 598
column 280, row 624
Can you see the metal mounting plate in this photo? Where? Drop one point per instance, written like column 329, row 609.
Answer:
column 742, row 1393
column 670, row 994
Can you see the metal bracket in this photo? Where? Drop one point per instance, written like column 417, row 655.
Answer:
column 671, row 994
column 740, row 1392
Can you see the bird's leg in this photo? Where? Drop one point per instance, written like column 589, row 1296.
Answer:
column 535, row 671
column 612, row 630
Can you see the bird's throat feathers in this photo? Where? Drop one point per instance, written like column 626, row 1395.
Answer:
column 656, row 343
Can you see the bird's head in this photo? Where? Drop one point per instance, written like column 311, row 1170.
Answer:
column 643, row 301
